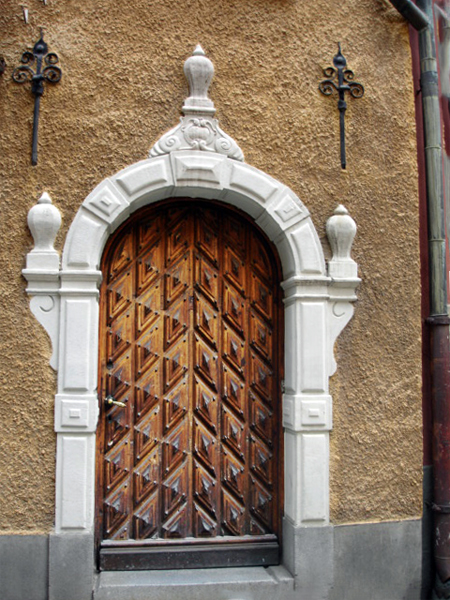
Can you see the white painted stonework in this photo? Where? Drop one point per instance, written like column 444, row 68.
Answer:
column 318, row 305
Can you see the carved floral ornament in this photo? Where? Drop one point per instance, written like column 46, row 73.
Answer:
column 195, row 159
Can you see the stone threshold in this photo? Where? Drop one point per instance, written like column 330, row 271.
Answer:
column 244, row 583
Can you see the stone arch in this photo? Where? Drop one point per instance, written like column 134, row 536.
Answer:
column 317, row 307
column 273, row 206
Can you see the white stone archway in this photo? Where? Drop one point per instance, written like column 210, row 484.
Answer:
column 197, row 160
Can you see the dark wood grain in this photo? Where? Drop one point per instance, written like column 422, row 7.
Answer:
column 191, row 330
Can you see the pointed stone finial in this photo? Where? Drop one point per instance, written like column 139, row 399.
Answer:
column 341, row 231
column 44, row 221
column 199, row 72
column 198, row 129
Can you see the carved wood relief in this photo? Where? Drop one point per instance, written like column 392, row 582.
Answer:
column 190, row 345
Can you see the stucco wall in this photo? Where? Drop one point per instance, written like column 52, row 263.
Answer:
column 122, row 87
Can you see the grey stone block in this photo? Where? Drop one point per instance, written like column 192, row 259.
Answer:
column 427, row 535
column 23, row 567
column 309, row 559
column 378, row 561
column 71, row 566
column 247, row 583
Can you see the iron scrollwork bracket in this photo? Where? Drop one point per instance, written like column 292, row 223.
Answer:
column 45, row 71
column 341, row 80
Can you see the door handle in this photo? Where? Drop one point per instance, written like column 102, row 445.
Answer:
column 109, row 401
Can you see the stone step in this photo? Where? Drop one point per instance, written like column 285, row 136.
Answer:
column 245, row 583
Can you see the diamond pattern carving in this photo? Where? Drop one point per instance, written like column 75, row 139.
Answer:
column 206, row 363
column 175, row 490
column 120, row 294
column 233, row 350
column 120, row 338
column 189, row 319
column 148, row 349
column 234, row 309
column 175, row 364
column 261, row 461
column 261, row 378
column 261, row 336
column 176, row 405
column 121, row 255
column 204, row 525
column 119, row 376
column 117, row 466
column 205, row 489
column 146, row 475
column 149, row 267
column 204, row 446
column 261, row 505
column 233, row 476
column 175, row 321
column 147, row 392
column 206, row 280
column 148, row 309
column 234, row 269
column 177, row 278
column 148, row 230
column 233, row 433
column 261, row 296
column 146, row 434
column 233, row 515
column 116, row 511
column 206, row 404
column 206, row 234
column 174, row 448
column 260, row 259
column 206, row 321
column 178, row 240
column 234, row 391
column 261, row 420
column 176, row 526
column 146, row 519
column 235, row 233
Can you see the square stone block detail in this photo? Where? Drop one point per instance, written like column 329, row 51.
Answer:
column 105, row 202
column 145, row 176
column 199, row 169
column 303, row 413
column 314, row 413
column 252, row 183
column 74, row 413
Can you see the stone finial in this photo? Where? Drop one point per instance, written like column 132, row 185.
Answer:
column 199, row 72
column 198, row 130
column 341, row 231
column 44, row 221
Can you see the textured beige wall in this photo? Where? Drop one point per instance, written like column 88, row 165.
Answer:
column 122, row 87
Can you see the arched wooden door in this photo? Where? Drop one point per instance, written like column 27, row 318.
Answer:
column 189, row 445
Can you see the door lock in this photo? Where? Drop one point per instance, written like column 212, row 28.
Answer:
column 109, row 401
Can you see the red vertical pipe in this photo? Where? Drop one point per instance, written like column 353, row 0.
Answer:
column 440, row 377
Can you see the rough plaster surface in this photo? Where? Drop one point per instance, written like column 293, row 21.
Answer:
column 122, row 86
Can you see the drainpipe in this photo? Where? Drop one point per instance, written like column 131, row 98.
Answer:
column 420, row 16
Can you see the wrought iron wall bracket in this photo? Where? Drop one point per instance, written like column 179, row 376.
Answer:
column 340, row 80
column 46, row 70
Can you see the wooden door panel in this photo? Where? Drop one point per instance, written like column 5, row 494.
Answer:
column 190, row 323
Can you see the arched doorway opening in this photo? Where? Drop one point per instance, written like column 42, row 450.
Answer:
column 189, row 450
